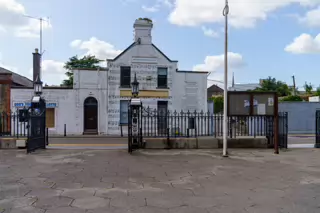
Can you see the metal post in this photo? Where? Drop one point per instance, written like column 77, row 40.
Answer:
column 168, row 138
column 65, row 130
column 317, row 135
column 276, row 125
column 225, row 92
column 294, row 85
column 47, row 136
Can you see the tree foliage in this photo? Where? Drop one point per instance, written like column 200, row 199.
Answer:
column 89, row 61
column 217, row 103
column 308, row 88
column 272, row 85
column 318, row 91
column 291, row 98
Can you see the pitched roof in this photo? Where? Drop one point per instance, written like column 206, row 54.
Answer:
column 16, row 78
column 133, row 44
column 244, row 87
column 214, row 88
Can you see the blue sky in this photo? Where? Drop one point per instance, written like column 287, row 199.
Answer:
column 267, row 37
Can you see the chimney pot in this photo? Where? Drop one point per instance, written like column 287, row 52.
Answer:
column 36, row 50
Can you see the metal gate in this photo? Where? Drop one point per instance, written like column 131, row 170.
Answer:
column 317, row 144
column 283, row 129
column 37, row 127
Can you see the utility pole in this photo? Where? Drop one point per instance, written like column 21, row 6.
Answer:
column 225, row 92
column 294, row 85
column 40, row 31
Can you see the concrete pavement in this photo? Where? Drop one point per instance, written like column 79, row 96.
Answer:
column 174, row 181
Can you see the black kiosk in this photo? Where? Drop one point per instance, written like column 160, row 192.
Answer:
column 37, row 120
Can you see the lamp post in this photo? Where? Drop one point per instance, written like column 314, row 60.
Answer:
column 135, row 87
column 135, row 130
column 37, row 86
column 225, row 92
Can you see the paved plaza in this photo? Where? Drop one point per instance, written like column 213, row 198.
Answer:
column 165, row 181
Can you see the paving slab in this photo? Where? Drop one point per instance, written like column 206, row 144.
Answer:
column 90, row 202
column 160, row 181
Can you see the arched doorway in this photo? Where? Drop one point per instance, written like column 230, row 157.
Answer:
column 90, row 115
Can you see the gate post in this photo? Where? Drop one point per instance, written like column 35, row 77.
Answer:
column 134, row 118
column 317, row 135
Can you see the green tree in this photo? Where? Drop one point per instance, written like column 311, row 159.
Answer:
column 272, row 85
column 292, row 90
column 291, row 98
column 308, row 88
column 218, row 103
column 318, row 91
column 74, row 62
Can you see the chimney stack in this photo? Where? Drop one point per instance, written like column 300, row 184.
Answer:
column 142, row 31
column 36, row 65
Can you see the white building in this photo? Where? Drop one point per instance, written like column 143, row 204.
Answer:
column 98, row 101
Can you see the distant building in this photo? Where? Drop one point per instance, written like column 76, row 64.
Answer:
column 214, row 90
column 244, row 87
column 9, row 79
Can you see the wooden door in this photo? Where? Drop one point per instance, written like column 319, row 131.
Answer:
column 90, row 114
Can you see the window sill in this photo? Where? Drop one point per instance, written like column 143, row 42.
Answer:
column 125, row 88
column 162, row 88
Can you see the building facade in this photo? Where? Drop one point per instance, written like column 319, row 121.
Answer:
column 98, row 101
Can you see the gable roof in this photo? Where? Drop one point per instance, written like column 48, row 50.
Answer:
column 16, row 78
column 133, row 44
column 214, row 88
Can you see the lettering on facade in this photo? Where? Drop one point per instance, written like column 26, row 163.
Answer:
column 147, row 76
column 118, row 97
column 137, row 65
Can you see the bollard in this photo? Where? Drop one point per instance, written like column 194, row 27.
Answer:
column 65, row 130
column 47, row 136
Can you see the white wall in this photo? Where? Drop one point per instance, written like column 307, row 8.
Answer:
column 90, row 83
column 64, row 111
column 70, row 102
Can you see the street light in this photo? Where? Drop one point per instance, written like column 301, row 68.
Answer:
column 225, row 92
column 135, row 87
column 37, row 86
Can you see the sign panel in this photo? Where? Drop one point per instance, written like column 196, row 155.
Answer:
column 245, row 103
column 28, row 104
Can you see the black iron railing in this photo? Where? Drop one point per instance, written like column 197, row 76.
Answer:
column 196, row 124
column 13, row 124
